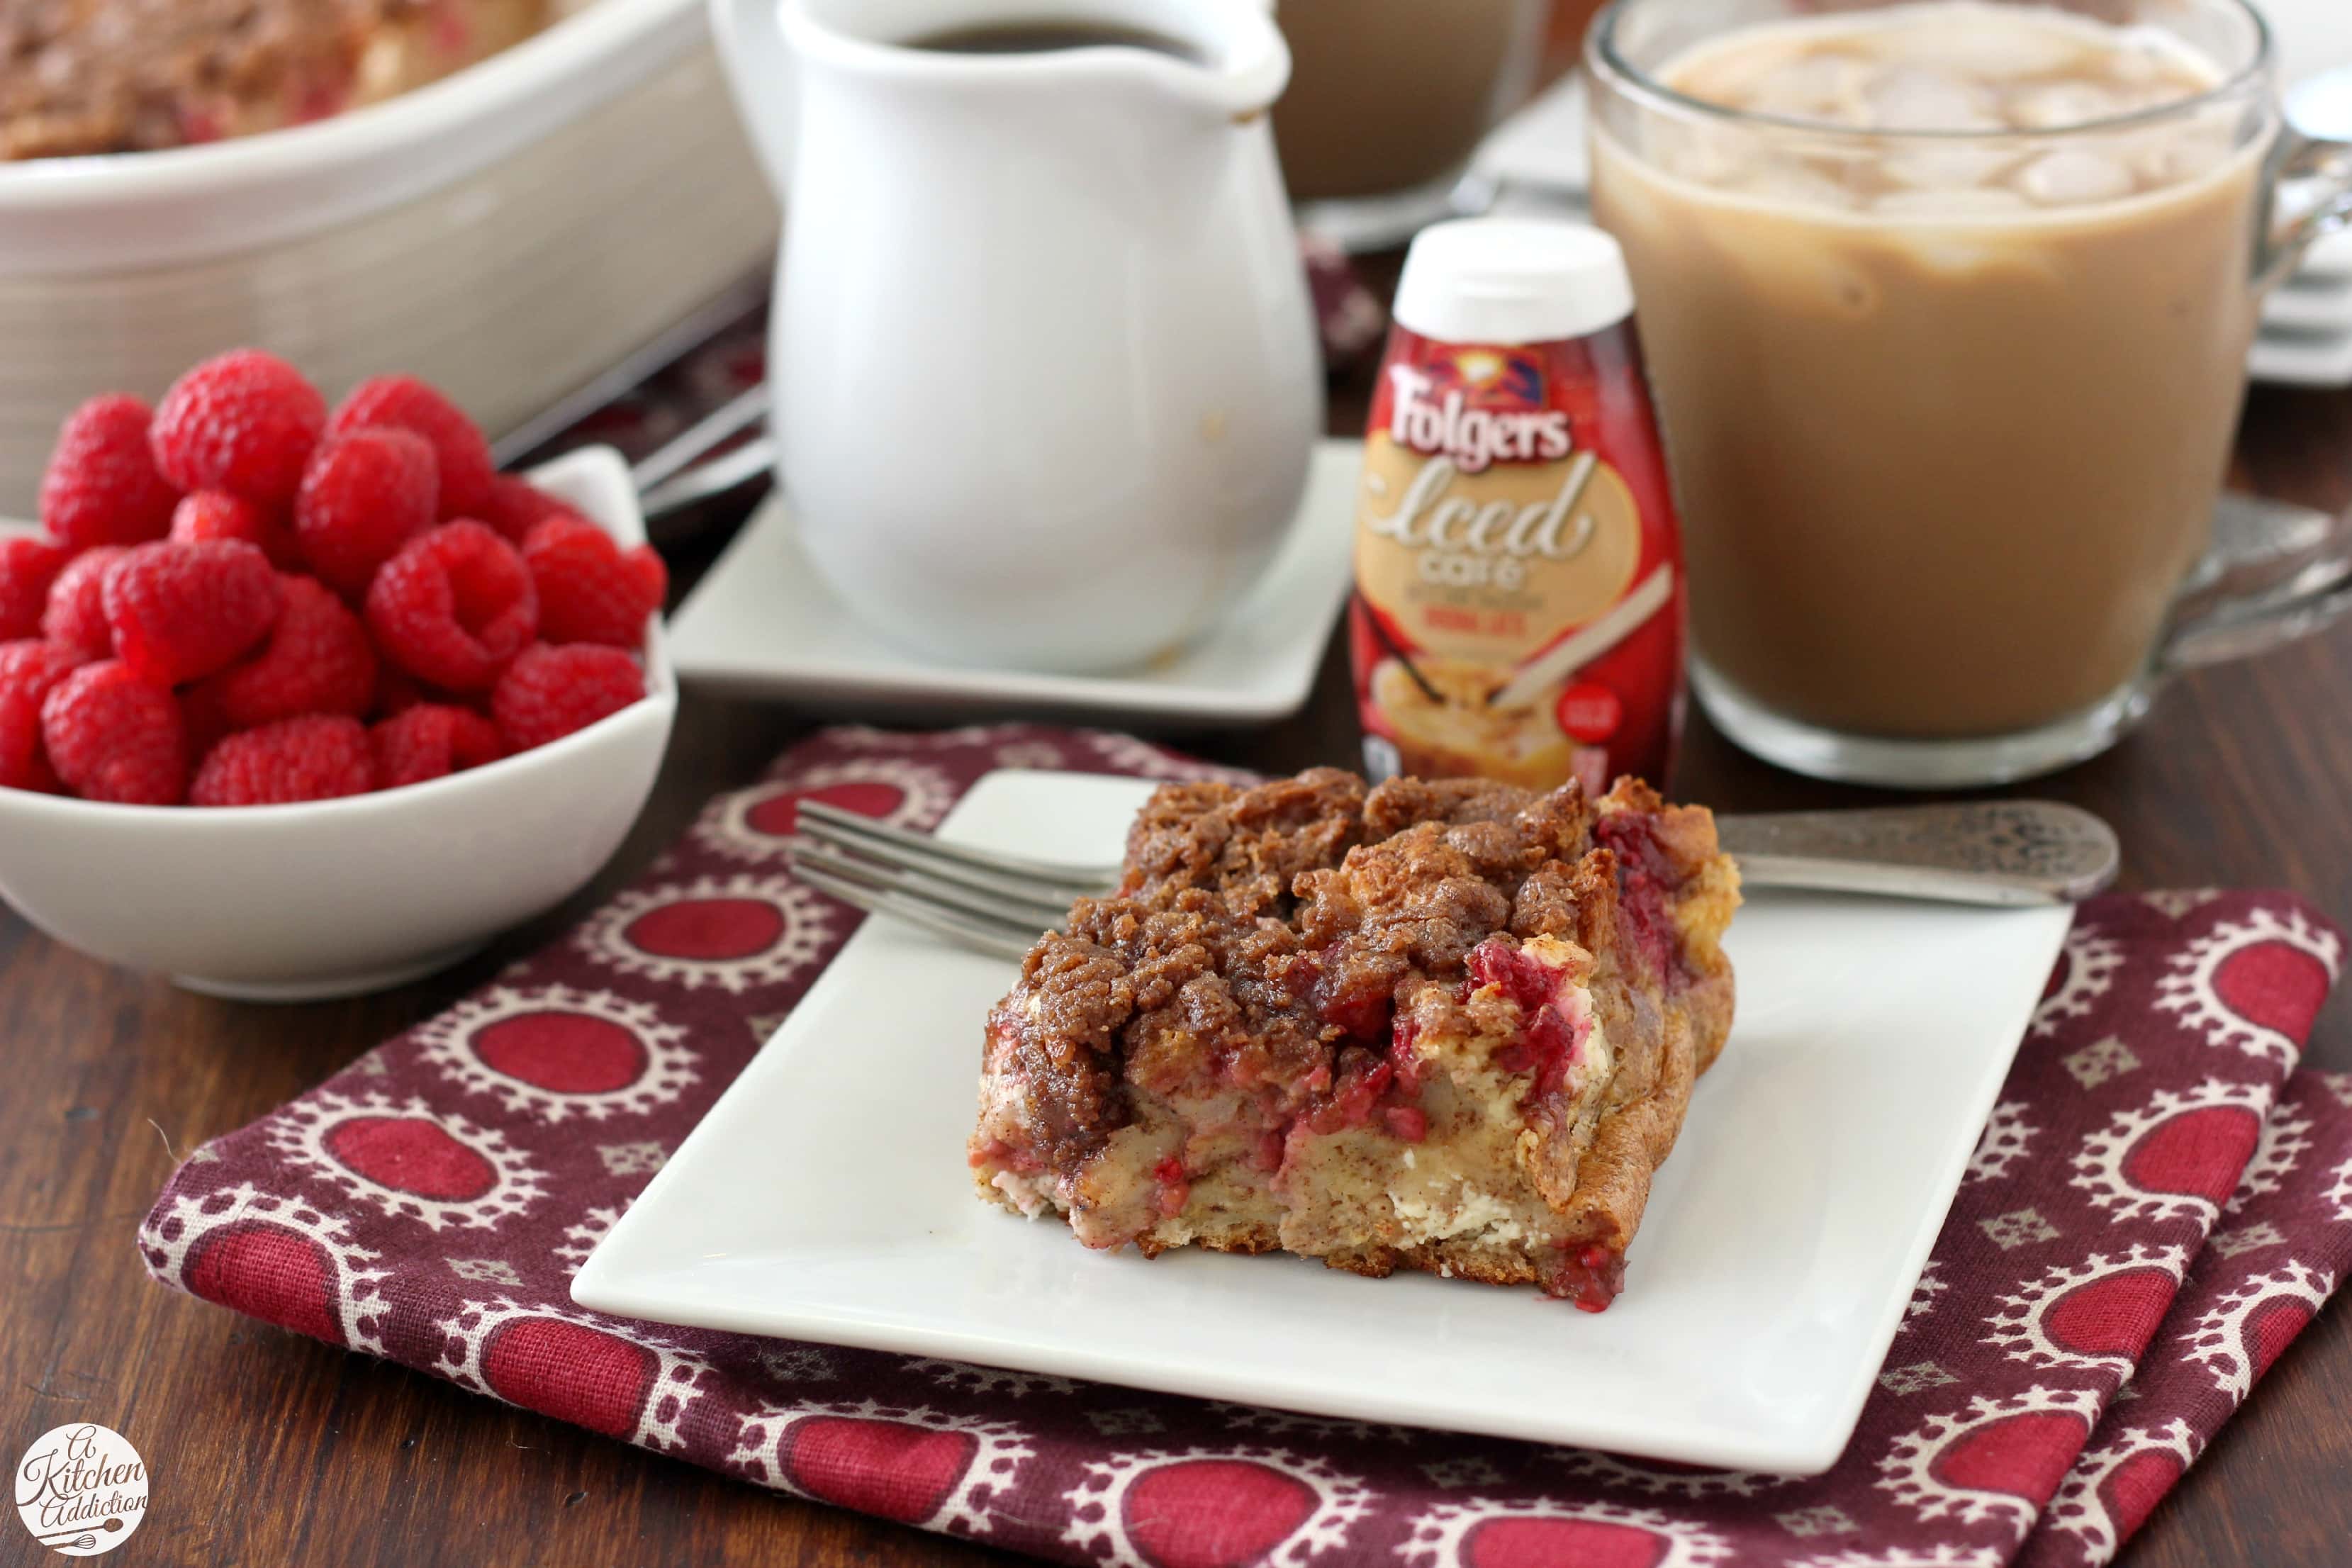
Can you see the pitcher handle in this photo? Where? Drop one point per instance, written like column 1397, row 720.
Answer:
column 760, row 70
column 2276, row 574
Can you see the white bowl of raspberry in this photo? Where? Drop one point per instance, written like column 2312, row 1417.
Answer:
column 182, row 823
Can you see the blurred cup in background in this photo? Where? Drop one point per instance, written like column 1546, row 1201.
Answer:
column 1388, row 98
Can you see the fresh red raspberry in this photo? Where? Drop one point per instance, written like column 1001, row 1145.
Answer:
column 76, row 614
column 517, row 506
column 429, row 741
column 112, row 736
column 548, row 692
column 407, row 404
column 29, row 670
column 217, row 514
column 318, row 660
column 365, row 494
column 319, row 756
column 201, row 718
column 101, row 487
column 181, row 611
column 590, row 589
column 396, row 691
column 244, row 422
column 454, row 606
column 27, row 568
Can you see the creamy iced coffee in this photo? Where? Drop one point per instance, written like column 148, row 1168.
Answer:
column 1949, row 325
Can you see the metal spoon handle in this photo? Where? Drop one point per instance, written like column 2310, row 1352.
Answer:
column 2007, row 852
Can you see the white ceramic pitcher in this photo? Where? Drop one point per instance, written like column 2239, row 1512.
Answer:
column 1043, row 362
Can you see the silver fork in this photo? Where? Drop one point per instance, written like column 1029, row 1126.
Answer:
column 2003, row 853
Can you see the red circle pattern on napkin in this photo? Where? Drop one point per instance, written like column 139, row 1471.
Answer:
column 2159, row 1203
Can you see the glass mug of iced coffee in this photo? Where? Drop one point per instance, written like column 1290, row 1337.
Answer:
column 1947, row 305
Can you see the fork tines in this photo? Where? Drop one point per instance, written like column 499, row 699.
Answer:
column 996, row 903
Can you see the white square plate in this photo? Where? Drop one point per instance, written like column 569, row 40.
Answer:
column 763, row 623
column 2310, row 302
column 2304, row 358
column 825, row 1196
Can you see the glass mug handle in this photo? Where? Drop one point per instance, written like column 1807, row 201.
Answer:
column 2314, row 185
column 2275, row 574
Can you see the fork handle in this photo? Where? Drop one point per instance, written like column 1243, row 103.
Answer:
column 1999, row 852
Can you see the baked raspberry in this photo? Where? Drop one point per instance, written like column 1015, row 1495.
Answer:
column 244, row 422
column 113, row 736
column 318, row 660
column 365, row 494
column 431, row 740
column 30, row 670
column 548, row 692
column 319, row 756
column 405, row 403
column 101, row 487
column 590, row 589
column 76, row 614
column 181, row 611
column 217, row 514
column 454, row 606
column 28, row 567
column 517, row 506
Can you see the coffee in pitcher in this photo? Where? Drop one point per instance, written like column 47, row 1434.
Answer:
column 1045, row 37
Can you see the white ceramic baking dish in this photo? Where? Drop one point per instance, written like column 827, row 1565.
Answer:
column 506, row 233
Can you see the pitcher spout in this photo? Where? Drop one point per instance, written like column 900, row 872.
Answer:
column 1239, row 65
column 1225, row 59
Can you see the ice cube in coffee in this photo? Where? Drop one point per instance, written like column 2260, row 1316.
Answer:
column 1948, row 319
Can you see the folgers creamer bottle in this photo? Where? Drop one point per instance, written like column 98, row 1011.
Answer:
column 1519, row 610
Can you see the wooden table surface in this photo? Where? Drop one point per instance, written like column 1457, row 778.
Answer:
column 266, row 1447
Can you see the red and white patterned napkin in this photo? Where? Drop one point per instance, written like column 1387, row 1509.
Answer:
column 2159, row 1205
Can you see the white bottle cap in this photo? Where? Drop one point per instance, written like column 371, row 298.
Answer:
column 1512, row 280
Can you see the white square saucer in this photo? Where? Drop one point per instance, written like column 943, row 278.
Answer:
column 763, row 623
